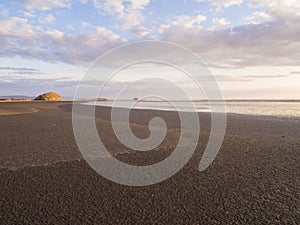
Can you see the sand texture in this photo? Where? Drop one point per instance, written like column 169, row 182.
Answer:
column 255, row 178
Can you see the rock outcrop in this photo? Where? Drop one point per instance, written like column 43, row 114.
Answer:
column 50, row 96
column 101, row 99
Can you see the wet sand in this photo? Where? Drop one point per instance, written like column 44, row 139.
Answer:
column 255, row 178
column 13, row 110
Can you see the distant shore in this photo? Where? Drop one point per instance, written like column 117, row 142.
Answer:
column 195, row 100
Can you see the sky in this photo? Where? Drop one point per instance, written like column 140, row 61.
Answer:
column 252, row 47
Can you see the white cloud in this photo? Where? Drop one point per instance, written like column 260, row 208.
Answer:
column 15, row 27
column 55, row 34
column 78, row 49
column 259, row 17
column 273, row 43
column 29, row 14
column 46, row 4
column 188, row 21
column 86, row 25
column 127, row 12
column 163, row 27
column 279, row 8
column 268, row 38
column 141, row 32
column 184, row 21
column 219, row 4
column 19, row 38
column 220, row 23
column 83, row 1
column 47, row 18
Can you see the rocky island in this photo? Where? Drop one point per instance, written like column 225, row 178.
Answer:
column 50, row 96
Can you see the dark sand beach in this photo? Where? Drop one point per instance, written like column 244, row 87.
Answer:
column 255, row 179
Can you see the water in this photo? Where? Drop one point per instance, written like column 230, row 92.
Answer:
column 263, row 108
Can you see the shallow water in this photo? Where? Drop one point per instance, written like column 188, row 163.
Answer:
column 259, row 108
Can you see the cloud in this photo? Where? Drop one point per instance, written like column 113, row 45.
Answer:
column 127, row 12
column 29, row 14
column 279, row 9
column 14, row 27
column 269, row 38
column 295, row 72
column 227, row 78
column 46, row 4
column 265, row 76
column 219, row 4
column 46, row 18
column 20, row 71
column 141, row 32
column 18, row 68
column 19, row 38
column 34, row 80
column 187, row 21
column 33, row 86
column 183, row 22
column 220, row 23
column 273, row 43
column 259, row 17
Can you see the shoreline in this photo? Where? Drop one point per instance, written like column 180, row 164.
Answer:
column 15, row 109
column 23, row 107
column 228, row 111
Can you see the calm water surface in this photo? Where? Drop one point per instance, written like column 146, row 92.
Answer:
column 284, row 109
